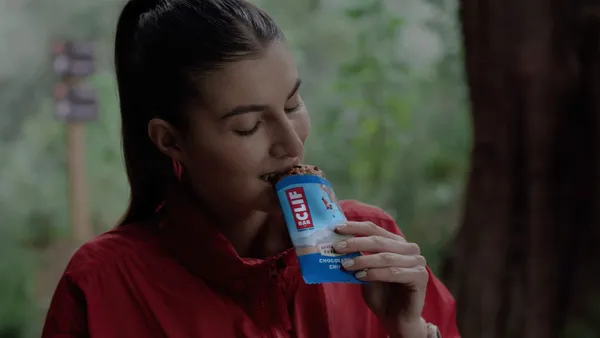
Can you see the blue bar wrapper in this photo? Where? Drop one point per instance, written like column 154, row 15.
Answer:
column 311, row 213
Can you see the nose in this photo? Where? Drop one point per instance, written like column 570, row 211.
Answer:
column 287, row 141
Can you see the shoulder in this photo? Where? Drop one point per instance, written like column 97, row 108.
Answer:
column 361, row 212
column 109, row 250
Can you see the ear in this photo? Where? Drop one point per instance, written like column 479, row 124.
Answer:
column 167, row 139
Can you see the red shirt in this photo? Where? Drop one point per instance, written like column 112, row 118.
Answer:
column 181, row 278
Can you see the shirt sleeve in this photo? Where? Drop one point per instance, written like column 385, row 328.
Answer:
column 67, row 317
column 440, row 307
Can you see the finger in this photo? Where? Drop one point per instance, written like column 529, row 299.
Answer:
column 376, row 244
column 383, row 260
column 415, row 277
column 365, row 229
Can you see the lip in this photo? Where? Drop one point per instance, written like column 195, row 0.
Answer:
column 267, row 176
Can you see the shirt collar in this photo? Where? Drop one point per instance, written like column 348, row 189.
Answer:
column 198, row 244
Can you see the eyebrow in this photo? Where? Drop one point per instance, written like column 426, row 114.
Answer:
column 257, row 107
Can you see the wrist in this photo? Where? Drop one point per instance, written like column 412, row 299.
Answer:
column 411, row 329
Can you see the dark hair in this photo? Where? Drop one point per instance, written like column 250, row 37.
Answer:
column 162, row 49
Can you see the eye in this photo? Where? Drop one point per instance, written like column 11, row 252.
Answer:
column 292, row 109
column 248, row 132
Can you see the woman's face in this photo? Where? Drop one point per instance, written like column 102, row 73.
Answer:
column 253, row 123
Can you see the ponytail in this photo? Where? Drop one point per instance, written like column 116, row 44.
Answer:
column 149, row 172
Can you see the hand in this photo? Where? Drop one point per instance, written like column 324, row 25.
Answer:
column 397, row 274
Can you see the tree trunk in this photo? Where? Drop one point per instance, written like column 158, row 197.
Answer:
column 526, row 262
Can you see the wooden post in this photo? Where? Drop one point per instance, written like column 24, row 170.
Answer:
column 76, row 104
column 78, row 197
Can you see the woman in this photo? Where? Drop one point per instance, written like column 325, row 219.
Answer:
column 210, row 86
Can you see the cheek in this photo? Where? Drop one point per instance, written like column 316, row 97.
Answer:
column 220, row 158
column 302, row 125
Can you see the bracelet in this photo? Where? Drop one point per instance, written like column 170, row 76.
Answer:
column 433, row 331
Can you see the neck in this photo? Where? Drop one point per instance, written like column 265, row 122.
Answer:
column 255, row 234
column 258, row 234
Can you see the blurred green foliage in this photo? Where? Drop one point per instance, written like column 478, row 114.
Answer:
column 382, row 79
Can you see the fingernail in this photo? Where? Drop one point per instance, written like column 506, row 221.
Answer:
column 340, row 227
column 347, row 263
column 361, row 274
column 340, row 245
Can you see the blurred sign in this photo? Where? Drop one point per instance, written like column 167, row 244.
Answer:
column 72, row 62
column 77, row 103
column 73, row 59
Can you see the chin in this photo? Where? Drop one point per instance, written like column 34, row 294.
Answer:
column 267, row 201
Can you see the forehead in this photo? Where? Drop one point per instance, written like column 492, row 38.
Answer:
column 264, row 80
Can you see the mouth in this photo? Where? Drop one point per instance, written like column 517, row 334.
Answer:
column 269, row 177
